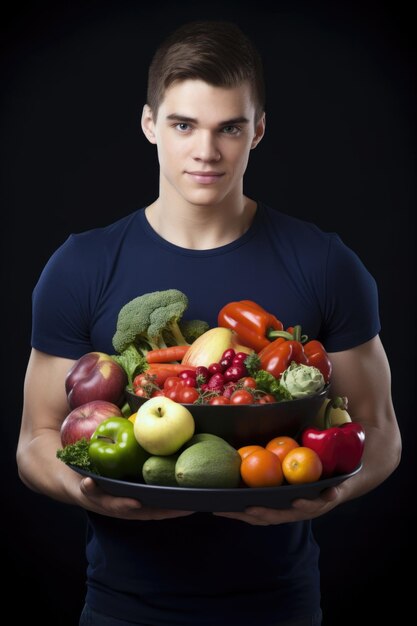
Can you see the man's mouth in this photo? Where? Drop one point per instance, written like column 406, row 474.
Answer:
column 205, row 178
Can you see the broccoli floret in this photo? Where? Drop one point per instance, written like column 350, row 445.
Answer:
column 191, row 330
column 143, row 320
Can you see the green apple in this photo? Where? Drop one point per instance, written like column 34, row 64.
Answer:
column 162, row 426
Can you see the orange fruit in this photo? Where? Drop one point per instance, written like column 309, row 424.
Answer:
column 302, row 465
column 261, row 468
column 281, row 446
column 248, row 450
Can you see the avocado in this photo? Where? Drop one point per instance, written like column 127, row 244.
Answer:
column 160, row 470
column 208, row 463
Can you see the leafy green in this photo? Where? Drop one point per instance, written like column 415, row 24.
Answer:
column 77, row 454
column 132, row 361
column 267, row 382
column 252, row 364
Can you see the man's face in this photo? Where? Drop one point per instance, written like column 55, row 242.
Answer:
column 204, row 135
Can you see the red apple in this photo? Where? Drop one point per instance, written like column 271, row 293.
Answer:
column 83, row 420
column 95, row 376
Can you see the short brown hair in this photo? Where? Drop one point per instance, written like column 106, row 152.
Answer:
column 216, row 52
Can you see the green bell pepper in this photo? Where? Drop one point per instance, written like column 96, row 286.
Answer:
column 115, row 451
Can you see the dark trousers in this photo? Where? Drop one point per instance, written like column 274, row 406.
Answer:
column 92, row 618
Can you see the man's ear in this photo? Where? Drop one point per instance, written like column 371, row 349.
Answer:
column 147, row 124
column 259, row 131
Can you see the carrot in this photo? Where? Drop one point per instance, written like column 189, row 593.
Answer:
column 166, row 355
column 162, row 370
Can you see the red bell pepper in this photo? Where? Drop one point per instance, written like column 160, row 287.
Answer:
column 278, row 355
column 254, row 326
column 340, row 448
column 317, row 356
column 276, row 347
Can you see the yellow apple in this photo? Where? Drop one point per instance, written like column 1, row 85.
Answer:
column 162, row 426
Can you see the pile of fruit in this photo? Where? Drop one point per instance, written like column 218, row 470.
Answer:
column 248, row 359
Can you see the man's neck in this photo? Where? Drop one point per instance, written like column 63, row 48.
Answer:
column 201, row 227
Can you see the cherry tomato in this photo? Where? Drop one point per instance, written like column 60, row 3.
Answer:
column 248, row 381
column 229, row 354
column 188, row 395
column 172, row 393
column 171, row 382
column 241, row 396
column 141, row 380
column 267, row 399
column 188, row 382
column 157, row 392
column 141, row 392
column 215, row 368
column 218, row 400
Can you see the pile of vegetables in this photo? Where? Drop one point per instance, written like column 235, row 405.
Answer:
column 249, row 358
column 249, row 350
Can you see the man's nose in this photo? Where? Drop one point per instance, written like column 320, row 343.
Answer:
column 206, row 148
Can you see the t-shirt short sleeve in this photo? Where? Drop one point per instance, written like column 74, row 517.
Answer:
column 351, row 301
column 61, row 304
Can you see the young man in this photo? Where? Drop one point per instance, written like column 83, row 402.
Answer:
column 204, row 113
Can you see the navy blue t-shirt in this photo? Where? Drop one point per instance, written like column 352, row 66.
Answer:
column 202, row 569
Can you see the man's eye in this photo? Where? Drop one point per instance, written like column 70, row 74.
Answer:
column 182, row 126
column 231, row 130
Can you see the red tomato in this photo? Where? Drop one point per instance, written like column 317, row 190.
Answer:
column 241, row 396
column 171, row 382
column 157, row 392
column 188, row 395
column 218, row 400
column 141, row 380
column 248, row 381
column 189, row 381
column 267, row 399
column 172, row 393
column 141, row 392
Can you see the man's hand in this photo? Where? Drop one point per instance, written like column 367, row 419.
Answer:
column 126, row 508
column 301, row 509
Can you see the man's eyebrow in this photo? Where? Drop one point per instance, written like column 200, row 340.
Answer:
column 177, row 117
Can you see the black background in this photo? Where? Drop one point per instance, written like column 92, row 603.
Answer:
column 339, row 151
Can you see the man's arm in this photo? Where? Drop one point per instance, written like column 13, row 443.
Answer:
column 44, row 409
column 362, row 374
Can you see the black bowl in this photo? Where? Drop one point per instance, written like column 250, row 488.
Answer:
column 248, row 424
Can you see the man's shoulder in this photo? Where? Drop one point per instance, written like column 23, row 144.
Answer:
column 101, row 235
column 294, row 228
